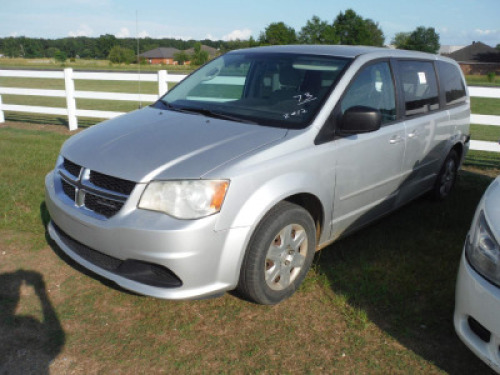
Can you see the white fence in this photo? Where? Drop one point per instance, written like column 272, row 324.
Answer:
column 162, row 77
column 69, row 76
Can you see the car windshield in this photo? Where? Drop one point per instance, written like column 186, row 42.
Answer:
column 283, row 90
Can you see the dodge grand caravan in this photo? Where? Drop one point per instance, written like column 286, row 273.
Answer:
column 234, row 178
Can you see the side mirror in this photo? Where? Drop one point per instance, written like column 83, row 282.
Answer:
column 359, row 119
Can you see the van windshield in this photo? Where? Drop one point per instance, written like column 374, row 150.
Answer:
column 283, row 90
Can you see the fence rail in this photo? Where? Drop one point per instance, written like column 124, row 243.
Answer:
column 162, row 78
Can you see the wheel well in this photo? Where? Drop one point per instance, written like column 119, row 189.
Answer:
column 459, row 149
column 312, row 205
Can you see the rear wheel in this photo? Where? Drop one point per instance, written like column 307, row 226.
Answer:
column 446, row 177
column 279, row 254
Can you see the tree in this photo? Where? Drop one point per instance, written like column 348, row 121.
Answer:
column 400, row 39
column 352, row 29
column 317, row 31
column 120, row 55
column 104, row 45
column 60, row 56
column 199, row 57
column 278, row 33
column 181, row 57
column 422, row 39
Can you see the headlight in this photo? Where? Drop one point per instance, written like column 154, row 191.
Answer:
column 188, row 199
column 483, row 251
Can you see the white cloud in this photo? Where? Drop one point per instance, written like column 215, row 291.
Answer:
column 143, row 34
column 123, row 33
column 210, row 37
column 170, row 36
column 238, row 34
column 83, row 30
column 486, row 32
column 14, row 34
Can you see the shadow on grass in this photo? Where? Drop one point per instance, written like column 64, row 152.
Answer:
column 45, row 218
column 27, row 345
column 40, row 119
column 402, row 270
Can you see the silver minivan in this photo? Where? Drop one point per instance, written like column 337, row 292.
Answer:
column 234, row 178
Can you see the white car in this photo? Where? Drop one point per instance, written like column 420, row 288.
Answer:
column 477, row 306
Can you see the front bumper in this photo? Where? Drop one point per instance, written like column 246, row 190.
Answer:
column 477, row 311
column 206, row 261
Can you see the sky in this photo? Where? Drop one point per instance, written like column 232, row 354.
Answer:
column 458, row 22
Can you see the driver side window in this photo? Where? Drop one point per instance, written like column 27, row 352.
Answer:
column 373, row 87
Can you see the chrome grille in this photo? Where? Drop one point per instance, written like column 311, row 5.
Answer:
column 94, row 192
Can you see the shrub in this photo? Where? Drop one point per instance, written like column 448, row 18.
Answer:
column 491, row 76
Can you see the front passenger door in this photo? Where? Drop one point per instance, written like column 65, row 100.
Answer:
column 368, row 166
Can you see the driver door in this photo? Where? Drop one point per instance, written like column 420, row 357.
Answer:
column 368, row 166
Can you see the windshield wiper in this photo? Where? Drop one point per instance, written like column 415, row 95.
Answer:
column 202, row 111
column 210, row 113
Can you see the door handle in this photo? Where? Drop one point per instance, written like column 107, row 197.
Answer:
column 413, row 134
column 395, row 139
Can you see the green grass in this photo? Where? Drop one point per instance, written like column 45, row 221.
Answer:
column 485, row 133
column 485, row 106
column 477, row 80
column 483, row 159
column 379, row 301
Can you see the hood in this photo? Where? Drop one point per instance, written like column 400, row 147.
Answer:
column 159, row 144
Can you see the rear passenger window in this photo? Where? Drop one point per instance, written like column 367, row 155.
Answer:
column 452, row 82
column 373, row 87
column 419, row 86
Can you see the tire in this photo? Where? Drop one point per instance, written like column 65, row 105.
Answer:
column 447, row 177
column 279, row 255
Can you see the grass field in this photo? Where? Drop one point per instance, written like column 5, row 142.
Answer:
column 81, row 64
column 380, row 301
column 477, row 80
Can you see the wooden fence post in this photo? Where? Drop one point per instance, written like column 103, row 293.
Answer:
column 2, row 116
column 162, row 82
column 69, row 85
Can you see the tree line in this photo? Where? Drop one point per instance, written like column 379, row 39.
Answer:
column 347, row 28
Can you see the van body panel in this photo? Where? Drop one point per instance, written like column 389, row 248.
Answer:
column 183, row 186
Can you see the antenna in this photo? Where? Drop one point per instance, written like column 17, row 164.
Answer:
column 138, row 59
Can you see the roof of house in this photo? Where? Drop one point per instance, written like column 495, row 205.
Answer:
column 447, row 49
column 476, row 52
column 160, row 53
column 211, row 51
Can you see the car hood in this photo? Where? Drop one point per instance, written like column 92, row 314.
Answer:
column 159, row 144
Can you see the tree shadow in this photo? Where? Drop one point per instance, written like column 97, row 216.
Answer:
column 27, row 345
column 402, row 271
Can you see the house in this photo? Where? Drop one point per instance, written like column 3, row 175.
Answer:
column 162, row 55
column 477, row 58
column 165, row 55
column 447, row 49
column 212, row 52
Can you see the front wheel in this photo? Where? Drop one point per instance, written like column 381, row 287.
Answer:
column 279, row 255
column 446, row 177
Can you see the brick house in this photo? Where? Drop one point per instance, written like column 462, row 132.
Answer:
column 477, row 58
column 162, row 55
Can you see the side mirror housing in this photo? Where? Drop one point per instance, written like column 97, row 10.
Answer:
column 359, row 119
